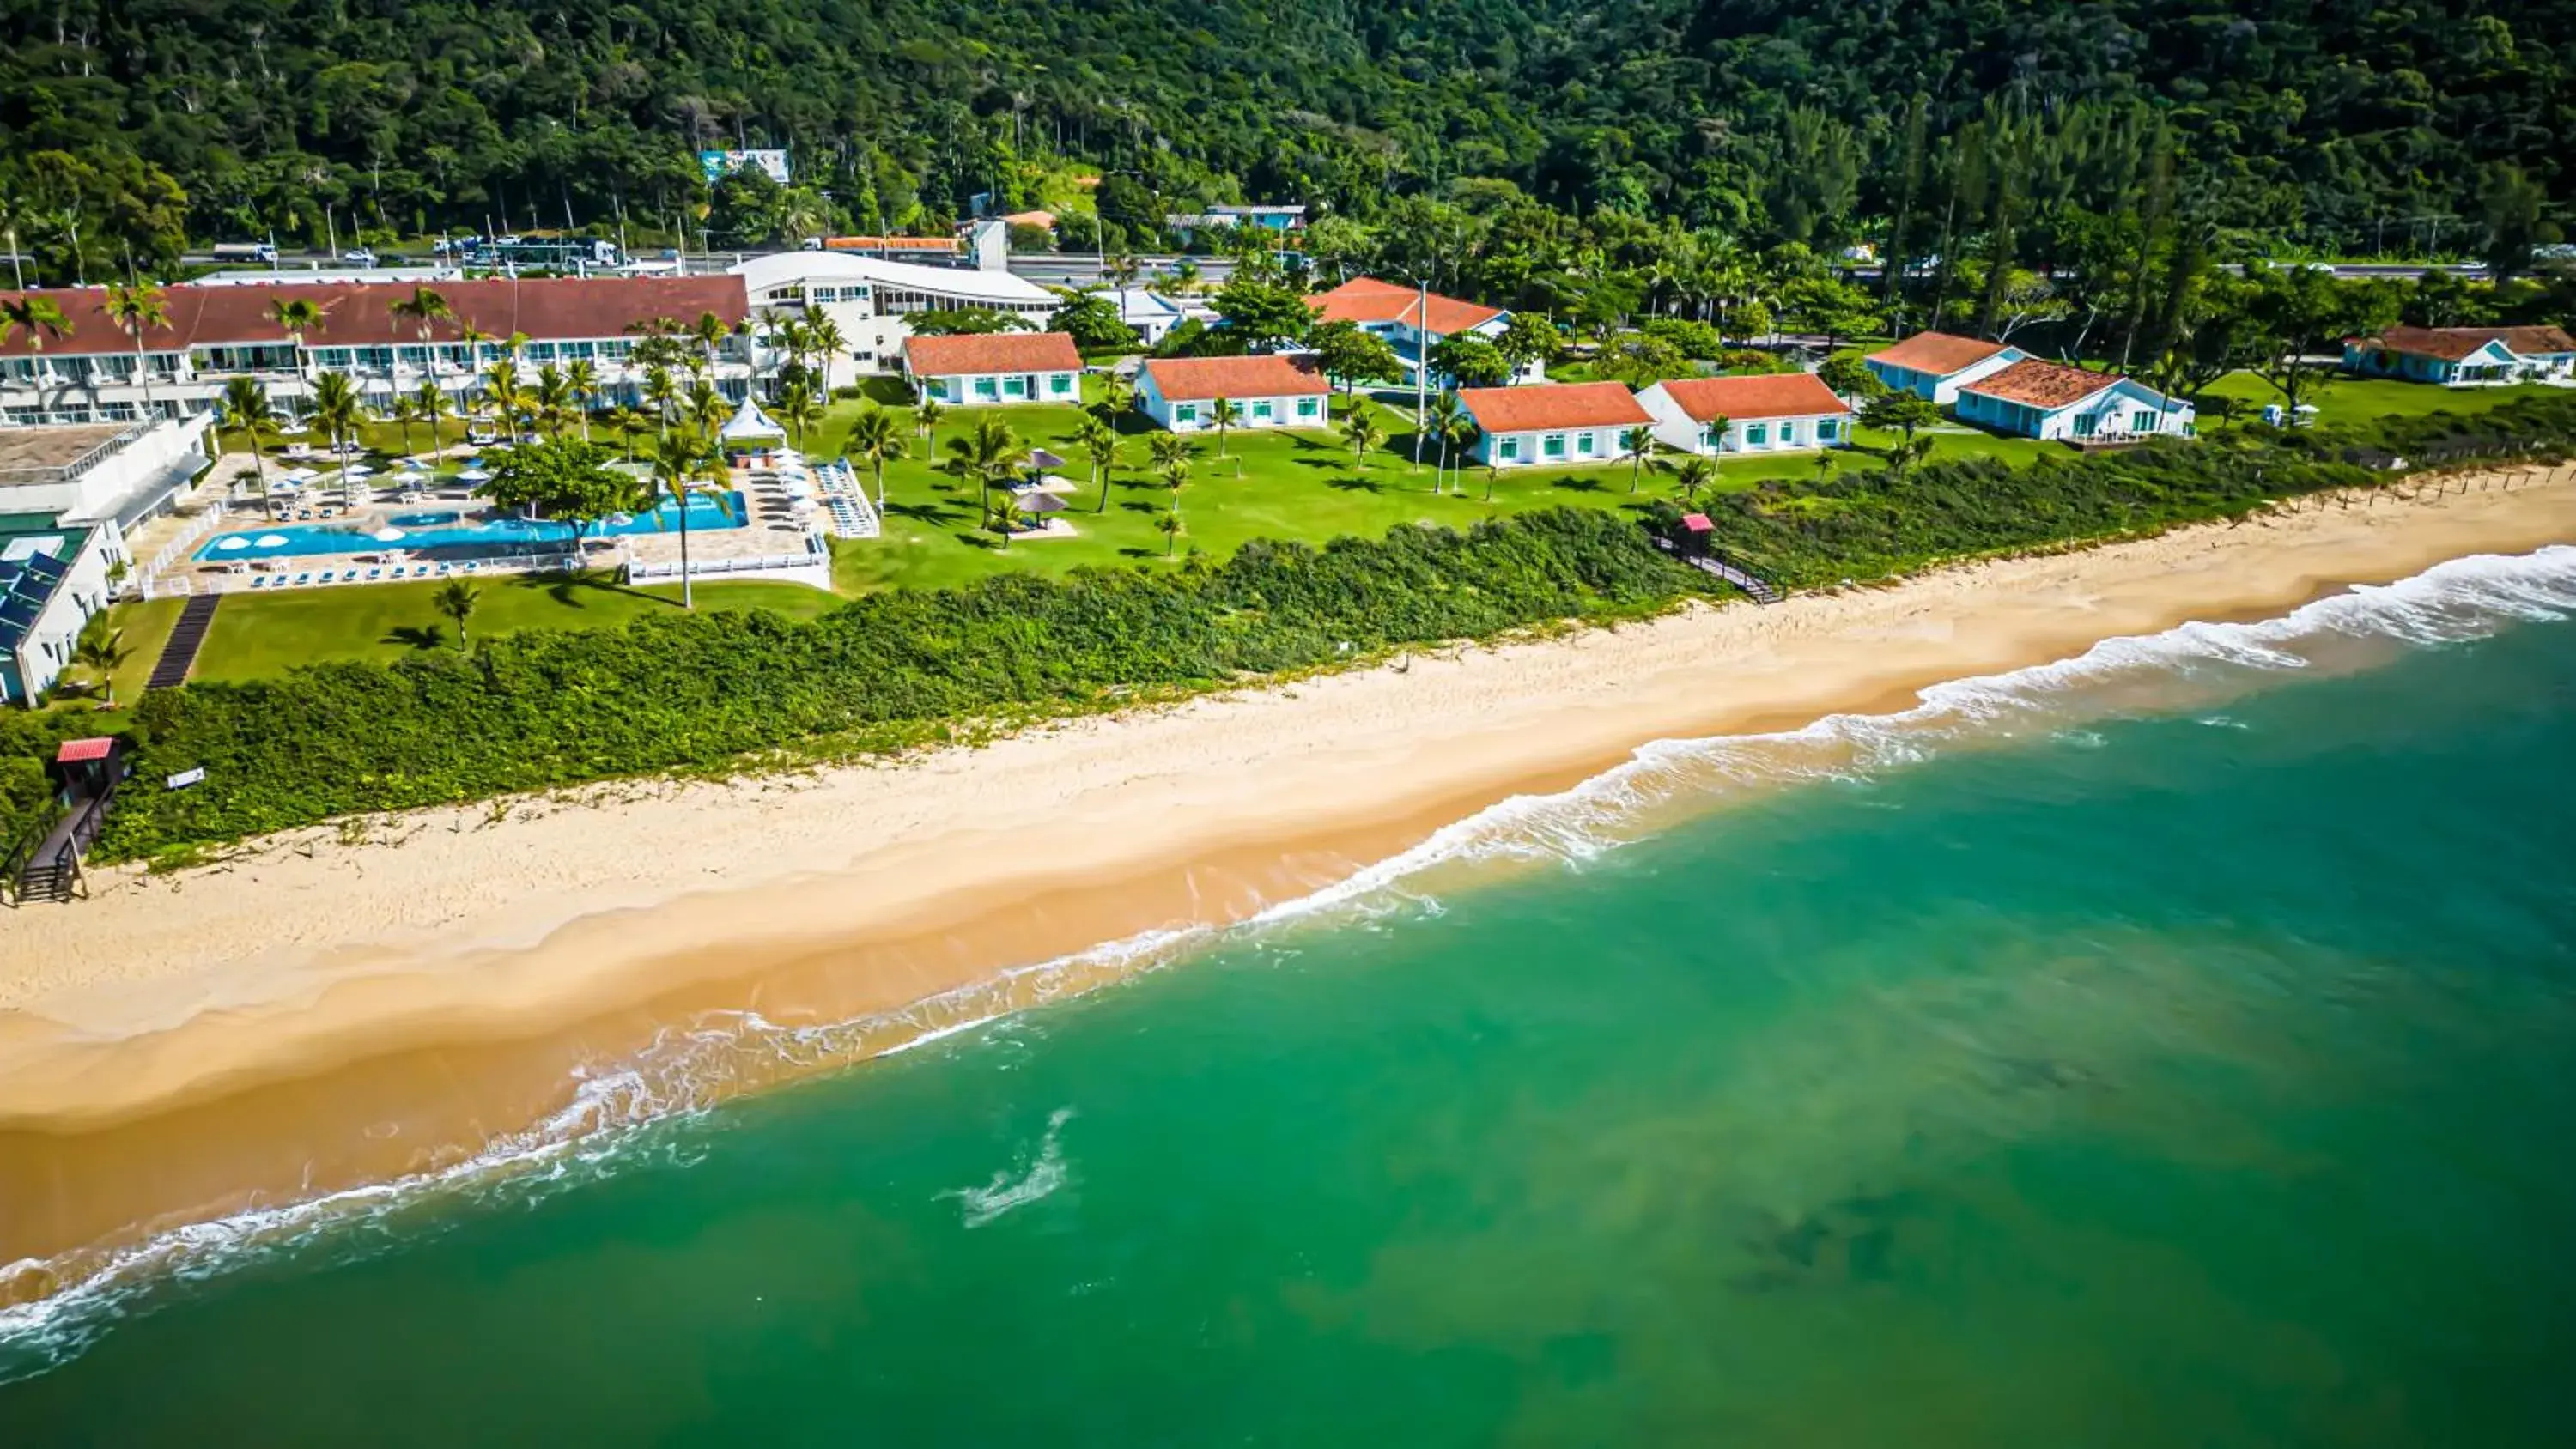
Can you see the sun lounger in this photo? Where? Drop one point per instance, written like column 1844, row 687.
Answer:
column 304, row 578
column 374, row 574
column 442, row 571
column 469, row 568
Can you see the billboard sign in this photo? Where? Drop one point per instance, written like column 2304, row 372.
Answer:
column 719, row 164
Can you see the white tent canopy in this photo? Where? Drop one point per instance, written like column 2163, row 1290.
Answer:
column 749, row 424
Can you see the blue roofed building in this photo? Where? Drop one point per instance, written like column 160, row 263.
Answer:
column 51, row 580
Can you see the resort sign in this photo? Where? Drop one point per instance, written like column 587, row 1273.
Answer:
column 720, row 164
column 185, row 778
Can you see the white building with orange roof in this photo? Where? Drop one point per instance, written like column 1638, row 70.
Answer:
column 2056, row 402
column 1936, row 365
column 1275, row 390
column 1412, row 320
column 1553, row 424
column 1780, row 412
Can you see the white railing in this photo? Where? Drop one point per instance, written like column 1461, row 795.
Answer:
column 149, row 584
column 772, row 563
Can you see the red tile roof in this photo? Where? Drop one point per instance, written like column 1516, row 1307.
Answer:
column 890, row 244
column 1937, row 353
column 991, row 352
column 1551, row 406
column 2451, row 344
column 359, row 314
column 2042, row 384
column 75, row 752
column 1366, row 299
column 1786, row 395
column 1199, row 379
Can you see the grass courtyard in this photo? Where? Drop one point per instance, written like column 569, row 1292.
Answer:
column 1273, row 484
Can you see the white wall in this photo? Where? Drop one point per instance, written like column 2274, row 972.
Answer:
column 1529, row 450
column 1283, row 410
column 83, row 592
column 958, row 389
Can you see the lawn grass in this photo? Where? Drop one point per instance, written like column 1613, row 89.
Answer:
column 2360, row 399
column 265, row 634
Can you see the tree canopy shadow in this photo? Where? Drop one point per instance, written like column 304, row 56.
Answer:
column 416, row 636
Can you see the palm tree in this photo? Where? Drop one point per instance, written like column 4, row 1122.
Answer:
column 990, row 454
column 553, row 399
column 1168, row 448
column 457, row 600
column 1458, row 433
column 581, row 384
column 1363, row 432
column 683, row 461
column 38, row 317
column 799, row 409
column 824, row 336
column 1493, row 468
column 1169, row 526
column 876, row 441
column 710, row 332
column 423, row 309
column 628, row 421
column 1442, row 425
column 663, row 391
column 404, row 413
column 1176, row 476
column 1223, row 414
column 1093, row 437
column 246, row 409
column 1642, row 444
column 927, row 417
column 296, row 316
column 501, row 391
column 705, row 409
column 1184, row 279
column 1117, row 395
column 134, row 307
column 1695, row 473
column 1121, row 270
column 1004, row 513
column 338, row 412
column 429, row 405
column 101, row 649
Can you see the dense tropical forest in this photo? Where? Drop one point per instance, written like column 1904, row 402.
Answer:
column 2352, row 126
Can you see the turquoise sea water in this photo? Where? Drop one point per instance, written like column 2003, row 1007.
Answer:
column 2174, row 1048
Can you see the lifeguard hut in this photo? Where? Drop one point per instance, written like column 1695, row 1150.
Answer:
column 85, row 775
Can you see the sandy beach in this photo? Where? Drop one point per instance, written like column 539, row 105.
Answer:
column 344, row 1004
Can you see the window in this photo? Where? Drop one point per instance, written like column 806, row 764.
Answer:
column 1788, row 435
column 1015, row 387
column 1060, row 384
column 984, row 388
column 1263, row 410
column 1552, row 446
column 1185, row 412
column 1757, row 435
column 1827, row 429
column 1305, row 407
column 2142, row 421
column 2084, row 424
column 1584, row 443
column 1508, row 450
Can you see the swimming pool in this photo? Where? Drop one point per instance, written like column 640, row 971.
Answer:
column 453, row 534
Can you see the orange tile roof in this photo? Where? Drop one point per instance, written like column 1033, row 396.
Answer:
column 1550, row 406
column 360, row 314
column 1366, row 299
column 1786, row 395
column 1938, row 353
column 1199, row 379
column 890, row 244
column 2042, row 384
column 991, row 352
column 2451, row 344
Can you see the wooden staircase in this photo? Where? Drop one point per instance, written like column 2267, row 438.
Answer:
column 1755, row 588
column 180, row 654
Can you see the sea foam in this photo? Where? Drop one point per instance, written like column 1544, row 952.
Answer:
column 621, row 1115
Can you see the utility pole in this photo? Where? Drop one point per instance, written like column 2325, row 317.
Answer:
column 1421, row 363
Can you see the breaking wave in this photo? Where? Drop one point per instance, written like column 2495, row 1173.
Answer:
column 625, row 1115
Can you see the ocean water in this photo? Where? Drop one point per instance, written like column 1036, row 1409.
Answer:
column 2175, row 1046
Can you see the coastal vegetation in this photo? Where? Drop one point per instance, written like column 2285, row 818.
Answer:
column 723, row 688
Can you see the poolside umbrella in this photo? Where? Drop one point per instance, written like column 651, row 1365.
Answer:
column 357, row 470
column 270, row 540
column 389, row 535
column 229, row 544
column 298, row 475
column 1041, row 461
column 474, row 475
column 1043, row 503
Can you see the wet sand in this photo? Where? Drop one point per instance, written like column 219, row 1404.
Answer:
column 320, row 1011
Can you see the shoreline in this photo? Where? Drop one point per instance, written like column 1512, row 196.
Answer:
column 312, row 1014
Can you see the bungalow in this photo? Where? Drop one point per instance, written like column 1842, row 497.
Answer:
column 989, row 368
column 2464, row 356
column 1270, row 391
column 1936, row 365
column 1552, row 424
column 2034, row 399
column 1761, row 414
column 1412, row 320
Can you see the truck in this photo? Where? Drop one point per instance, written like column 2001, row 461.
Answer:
column 261, row 252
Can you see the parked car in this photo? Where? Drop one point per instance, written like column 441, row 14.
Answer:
column 359, row 257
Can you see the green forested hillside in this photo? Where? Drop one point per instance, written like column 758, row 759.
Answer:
column 2338, row 124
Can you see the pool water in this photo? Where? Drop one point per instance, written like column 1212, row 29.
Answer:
column 449, row 533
